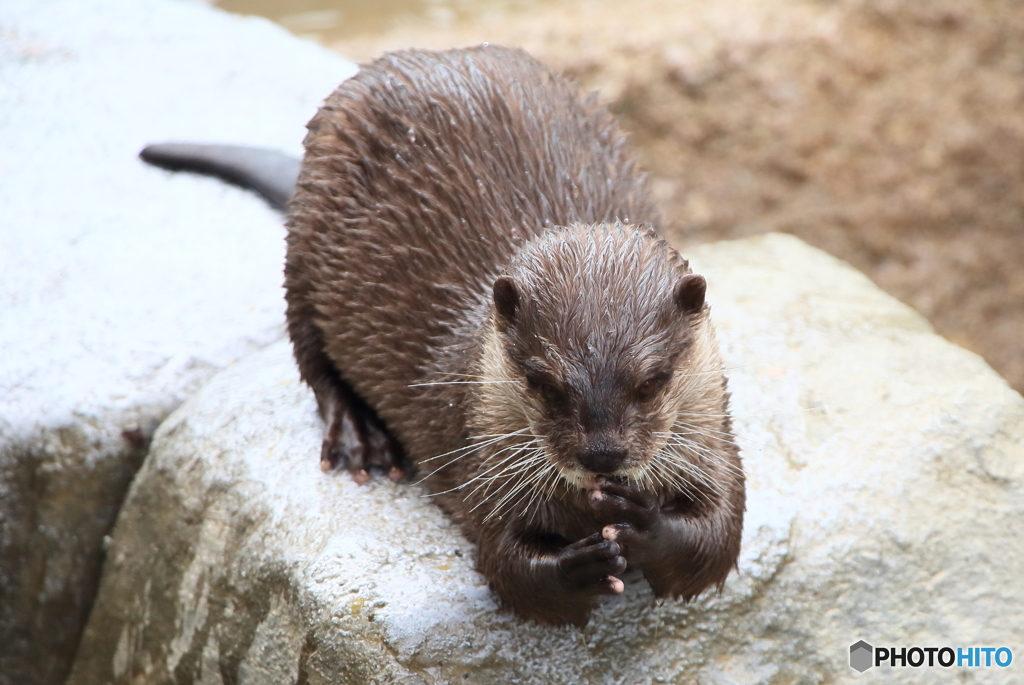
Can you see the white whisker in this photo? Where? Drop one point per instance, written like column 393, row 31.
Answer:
column 478, row 445
column 709, row 454
column 517, row 446
column 422, row 385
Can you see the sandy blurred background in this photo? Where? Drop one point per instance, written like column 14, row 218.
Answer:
column 889, row 133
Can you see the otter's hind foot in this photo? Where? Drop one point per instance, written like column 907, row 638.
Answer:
column 357, row 440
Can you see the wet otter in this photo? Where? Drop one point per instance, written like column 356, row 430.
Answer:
column 472, row 252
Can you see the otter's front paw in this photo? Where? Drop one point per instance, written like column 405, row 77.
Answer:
column 589, row 566
column 635, row 520
column 619, row 503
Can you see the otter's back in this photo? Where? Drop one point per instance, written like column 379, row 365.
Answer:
column 422, row 176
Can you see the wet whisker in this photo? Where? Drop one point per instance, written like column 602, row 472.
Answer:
column 709, row 454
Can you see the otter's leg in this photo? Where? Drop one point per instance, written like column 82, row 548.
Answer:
column 550, row 582
column 354, row 436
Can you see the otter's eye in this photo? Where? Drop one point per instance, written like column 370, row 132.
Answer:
column 650, row 387
column 550, row 393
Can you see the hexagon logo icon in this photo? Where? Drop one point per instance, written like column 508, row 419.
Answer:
column 860, row 656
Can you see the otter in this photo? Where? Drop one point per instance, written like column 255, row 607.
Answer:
column 477, row 291
column 474, row 268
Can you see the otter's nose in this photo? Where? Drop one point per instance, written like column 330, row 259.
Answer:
column 603, row 456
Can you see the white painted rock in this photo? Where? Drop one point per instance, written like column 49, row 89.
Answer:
column 885, row 504
column 123, row 288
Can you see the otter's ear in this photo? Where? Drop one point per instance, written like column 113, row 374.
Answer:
column 506, row 300
column 689, row 293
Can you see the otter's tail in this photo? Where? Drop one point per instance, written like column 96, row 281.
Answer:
column 270, row 173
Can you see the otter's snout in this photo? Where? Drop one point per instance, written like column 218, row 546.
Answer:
column 603, row 456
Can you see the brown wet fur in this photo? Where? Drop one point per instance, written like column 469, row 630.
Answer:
column 427, row 270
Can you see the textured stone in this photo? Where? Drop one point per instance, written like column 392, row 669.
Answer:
column 885, row 503
column 122, row 288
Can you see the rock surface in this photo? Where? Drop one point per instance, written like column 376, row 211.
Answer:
column 122, row 288
column 885, row 467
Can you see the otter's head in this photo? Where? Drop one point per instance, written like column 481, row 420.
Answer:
column 600, row 339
